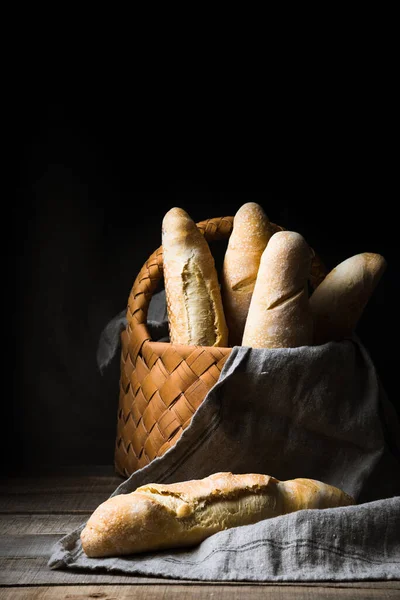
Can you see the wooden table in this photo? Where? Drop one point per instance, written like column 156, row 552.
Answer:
column 37, row 510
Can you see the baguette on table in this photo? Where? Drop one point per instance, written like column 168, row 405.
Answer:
column 249, row 237
column 194, row 303
column 161, row 516
column 279, row 314
column 337, row 304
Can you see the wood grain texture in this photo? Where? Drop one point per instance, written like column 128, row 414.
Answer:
column 42, row 483
column 20, row 571
column 34, row 571
column 11, row 524
column 27, row 546
column 201, row 592
column 56, row 494
column 51, row 502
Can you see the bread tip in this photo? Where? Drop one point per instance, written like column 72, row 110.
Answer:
column 175, row 213
column 250, row 211
column 251, row 226
column 288, row 234
column 377, row 260
column 176, row 219
column 372, row 263
column 285, row 240
column 250, row 206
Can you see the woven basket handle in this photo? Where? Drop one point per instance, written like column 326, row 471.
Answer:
column 152, row 271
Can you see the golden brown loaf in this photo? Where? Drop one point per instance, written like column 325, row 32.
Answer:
column 250, row 234
column 279, row 314
column 157, row 516
column 339, row 301
column 194, row 303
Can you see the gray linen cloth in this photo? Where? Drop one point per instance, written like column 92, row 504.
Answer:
column 318, row 412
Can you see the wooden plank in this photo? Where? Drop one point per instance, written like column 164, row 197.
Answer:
column 68, row 483
column 34, row 571
column 52, row 502
column 55, row 494
column 11, row 524
column 64, row 471
column 199, row 592
column 27, row 546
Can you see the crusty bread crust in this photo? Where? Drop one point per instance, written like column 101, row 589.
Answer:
column 250, row 235
column 279, row 314
column 159, row 516
column 338, row 302
column 194, row 303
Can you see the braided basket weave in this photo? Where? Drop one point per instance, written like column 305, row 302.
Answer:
column 163, row 384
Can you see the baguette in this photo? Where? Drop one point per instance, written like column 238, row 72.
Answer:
column 338, row 302
column 250, row 235
column 193, row 296
column 157, row 516
column 279, row 314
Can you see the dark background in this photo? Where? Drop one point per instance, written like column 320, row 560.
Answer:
column 93, row 180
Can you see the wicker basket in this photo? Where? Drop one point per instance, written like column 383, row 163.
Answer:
column 163, row 384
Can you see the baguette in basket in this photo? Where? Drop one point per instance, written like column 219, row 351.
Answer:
column 279, row 315
column 160, row 516
column 339, row 301
column 250, row 235
column 195, row 312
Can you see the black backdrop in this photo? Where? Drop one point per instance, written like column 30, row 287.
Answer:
column 92, row 187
